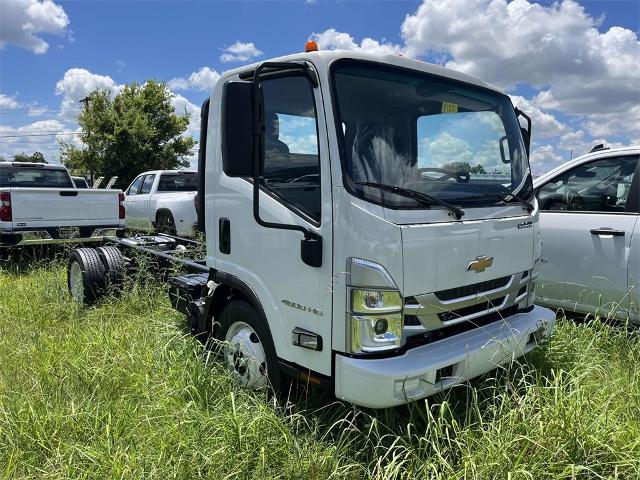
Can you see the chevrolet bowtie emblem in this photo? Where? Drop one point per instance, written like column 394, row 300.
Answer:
column 480, row 264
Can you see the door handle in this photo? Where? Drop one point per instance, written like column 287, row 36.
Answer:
column 607, row 231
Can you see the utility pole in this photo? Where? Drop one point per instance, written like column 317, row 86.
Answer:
column 85, row 101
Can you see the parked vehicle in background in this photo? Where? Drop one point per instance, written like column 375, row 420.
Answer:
column 338, row 249
column 40, row 204
column 589, row 210
column 164, row 201
column 80, row 182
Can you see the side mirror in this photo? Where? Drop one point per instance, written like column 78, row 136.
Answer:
column 237, row 129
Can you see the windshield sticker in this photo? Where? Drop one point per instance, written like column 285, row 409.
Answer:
column 449, row 107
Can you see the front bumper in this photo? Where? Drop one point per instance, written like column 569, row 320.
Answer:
column 387, row 382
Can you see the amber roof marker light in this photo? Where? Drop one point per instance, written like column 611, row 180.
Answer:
column 311, row 46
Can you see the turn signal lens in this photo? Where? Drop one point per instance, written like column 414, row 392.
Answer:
column 5, row 207
column 121, row 211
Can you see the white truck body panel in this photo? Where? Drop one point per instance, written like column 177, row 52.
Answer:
column 422, row 250
column 585, row 272
column 143, row 208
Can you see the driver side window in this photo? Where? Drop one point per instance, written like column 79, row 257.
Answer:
column 599, row 186
column 134, row 188
column 291, row 157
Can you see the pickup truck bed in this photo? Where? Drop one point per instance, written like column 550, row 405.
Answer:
column 41, row 215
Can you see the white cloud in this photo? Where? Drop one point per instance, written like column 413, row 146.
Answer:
column 445, row 147
column 622, row 124
column 556, row 47
column 22, row 20
column 203, row 79
column 183, row 106
column 544, row 124
column 33, row 137
column 76, row 84
column 331, row 39
column 240, row 52
column 8, row 103
column 545, row 158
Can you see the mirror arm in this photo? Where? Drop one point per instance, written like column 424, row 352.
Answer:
column 520, row 113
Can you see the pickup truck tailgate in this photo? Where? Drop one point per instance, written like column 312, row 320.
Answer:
column 40, row 207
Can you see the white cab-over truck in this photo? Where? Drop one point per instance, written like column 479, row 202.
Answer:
column 370, row 227
column 40, row 204
column 164, row 201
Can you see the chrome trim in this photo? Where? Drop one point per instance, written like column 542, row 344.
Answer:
column 368, row 274
column 428, row 305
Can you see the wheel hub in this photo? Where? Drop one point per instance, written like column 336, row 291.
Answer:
column 76, row 283
column 245, row 356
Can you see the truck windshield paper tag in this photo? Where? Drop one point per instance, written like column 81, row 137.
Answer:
column 449, row 107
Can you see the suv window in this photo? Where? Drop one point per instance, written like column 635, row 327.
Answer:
column 599, row 186
column 147, row 184
column 291, row 160
column 134, row 188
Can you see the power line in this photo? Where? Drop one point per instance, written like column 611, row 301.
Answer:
column 37, row 109
column 40, row 134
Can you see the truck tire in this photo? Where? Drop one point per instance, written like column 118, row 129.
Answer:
column 115, row 266
column 86, row 277
column 247, row 347
column 165, row 223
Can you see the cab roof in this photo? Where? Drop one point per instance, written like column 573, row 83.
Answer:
column 47, row 166
column 323, row 59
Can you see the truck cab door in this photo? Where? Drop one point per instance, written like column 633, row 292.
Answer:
column 296, row 190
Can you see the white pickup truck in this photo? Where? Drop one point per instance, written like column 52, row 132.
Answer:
column 39, row 204
column 164, row 201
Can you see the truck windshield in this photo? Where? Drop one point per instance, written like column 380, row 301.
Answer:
column 12, row 176
column 178, row 182
column 451, row 140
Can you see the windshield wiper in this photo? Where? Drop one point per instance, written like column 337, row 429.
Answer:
column 420, row 197
column 510, row 198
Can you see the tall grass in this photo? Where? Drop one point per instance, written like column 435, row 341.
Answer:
column 122, row 391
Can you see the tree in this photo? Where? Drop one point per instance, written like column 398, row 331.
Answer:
column 464, row 167
column 137, row 130
column 35, row 157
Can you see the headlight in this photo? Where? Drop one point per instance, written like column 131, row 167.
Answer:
column 375, row 301
column 374, row 311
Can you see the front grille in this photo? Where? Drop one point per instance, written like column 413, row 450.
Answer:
column 442, row 333
column 474, row 289
column 466, row 311
column 411, row 321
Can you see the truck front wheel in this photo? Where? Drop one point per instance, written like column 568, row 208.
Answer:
column 247, row 347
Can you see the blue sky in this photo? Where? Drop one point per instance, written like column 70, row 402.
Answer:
column 574, row 65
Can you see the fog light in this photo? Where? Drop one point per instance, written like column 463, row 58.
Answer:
column 381, row 326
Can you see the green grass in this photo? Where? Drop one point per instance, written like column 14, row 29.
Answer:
column 122, row 391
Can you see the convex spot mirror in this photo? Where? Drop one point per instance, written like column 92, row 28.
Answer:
column 237, row 130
